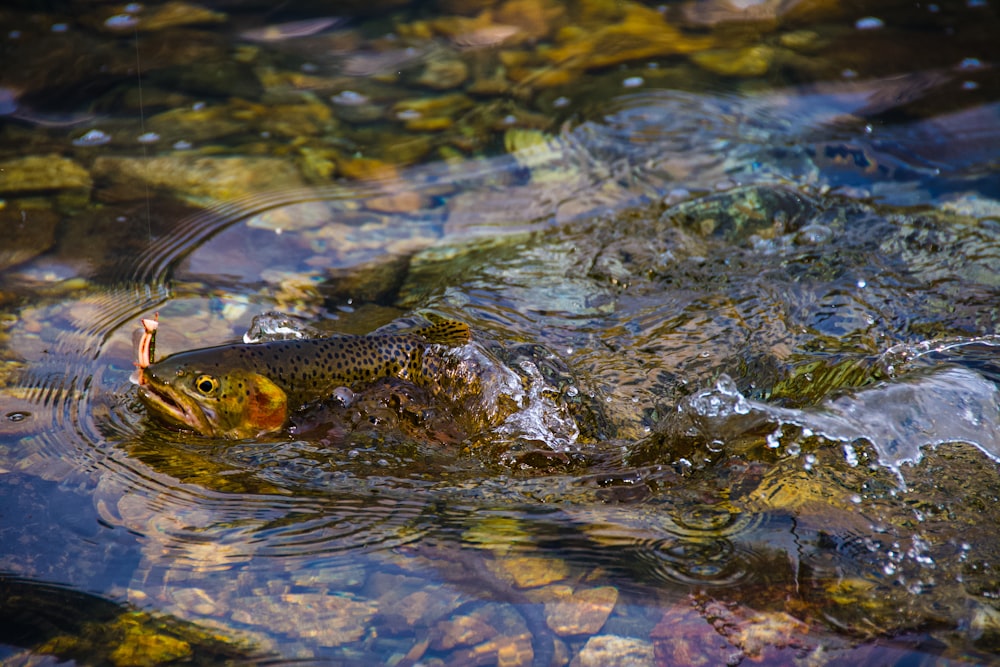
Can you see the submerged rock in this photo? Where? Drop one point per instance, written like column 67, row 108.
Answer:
column 326, row 619
column 579, row 612
column 643, row 32
column 747, row 62
column 529, row 571
column 738, row 214
column 28, row 232
column 614, row 651
column 463, row 630
column 42, row 173
column 194, row 177
column 443, row 73
column 119, row 19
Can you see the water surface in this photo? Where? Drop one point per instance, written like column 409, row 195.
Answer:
column 731, row 272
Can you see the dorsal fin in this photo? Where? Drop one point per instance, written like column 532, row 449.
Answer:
column 446, row 332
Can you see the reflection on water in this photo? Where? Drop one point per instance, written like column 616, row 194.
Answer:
column 730, row 273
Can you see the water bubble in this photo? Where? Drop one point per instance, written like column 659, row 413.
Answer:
column 198, row 106
column 133, row 7
column 309, row 68
column 869, row 23
column 408, row 114
column 60, row 27
column 813, row 235
column 182, row 145
column 676, row 195
column 969, row 85
column 849, row 74
column 572, row 391
column 121, row 21
column 970, row 63
column 862, row 283
column 560, row 102
column 92, row 138
column 148, row 138
column 633, row 82
column 349, row 98
column 344, row 396
column 509, row 119
column 850, row 456
column 976, row 3
column 933, row 9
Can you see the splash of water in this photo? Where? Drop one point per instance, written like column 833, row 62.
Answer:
column 899, row 418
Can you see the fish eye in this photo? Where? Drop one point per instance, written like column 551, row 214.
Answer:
column 206, row 384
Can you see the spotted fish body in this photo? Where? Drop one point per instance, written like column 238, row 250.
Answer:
column 244, row 390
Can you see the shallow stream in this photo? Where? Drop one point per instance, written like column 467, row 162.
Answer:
column 732, row 272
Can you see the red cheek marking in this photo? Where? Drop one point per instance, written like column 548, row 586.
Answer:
column 267, row 407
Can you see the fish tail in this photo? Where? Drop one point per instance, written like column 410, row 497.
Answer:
column 446, row 332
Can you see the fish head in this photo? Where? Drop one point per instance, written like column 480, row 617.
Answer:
column 211, row 399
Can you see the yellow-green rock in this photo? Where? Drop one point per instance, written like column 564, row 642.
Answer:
column 143, row 646
column 529, row 571
column 195, row 125
column 156, row 17
column 642, row 33
column 444, row 73
column 194, row 177
column 748, row 62
column 434, row 107
column 42, row 173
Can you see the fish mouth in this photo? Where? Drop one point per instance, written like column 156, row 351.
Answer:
column 174, row 407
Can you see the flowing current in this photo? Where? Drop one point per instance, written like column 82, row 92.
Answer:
column 731, row 393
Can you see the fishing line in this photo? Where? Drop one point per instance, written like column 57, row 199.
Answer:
column 142, row 133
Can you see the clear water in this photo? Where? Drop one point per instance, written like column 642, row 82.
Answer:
column 732, row 391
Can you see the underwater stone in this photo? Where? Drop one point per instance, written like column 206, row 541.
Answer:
column 444, row 74
column 444, row 106
column 748, row 62
column 168, row 15
column 42, row 173
column 643, row 33
column 195, row 177
column 580, row 612
column 535, row 19
column 328, row 620
column 529, row 571
column 27, row 234
column 614, row 651
column 465, row 630
column 142, row 645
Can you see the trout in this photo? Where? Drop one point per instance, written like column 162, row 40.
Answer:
column 246, row 390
